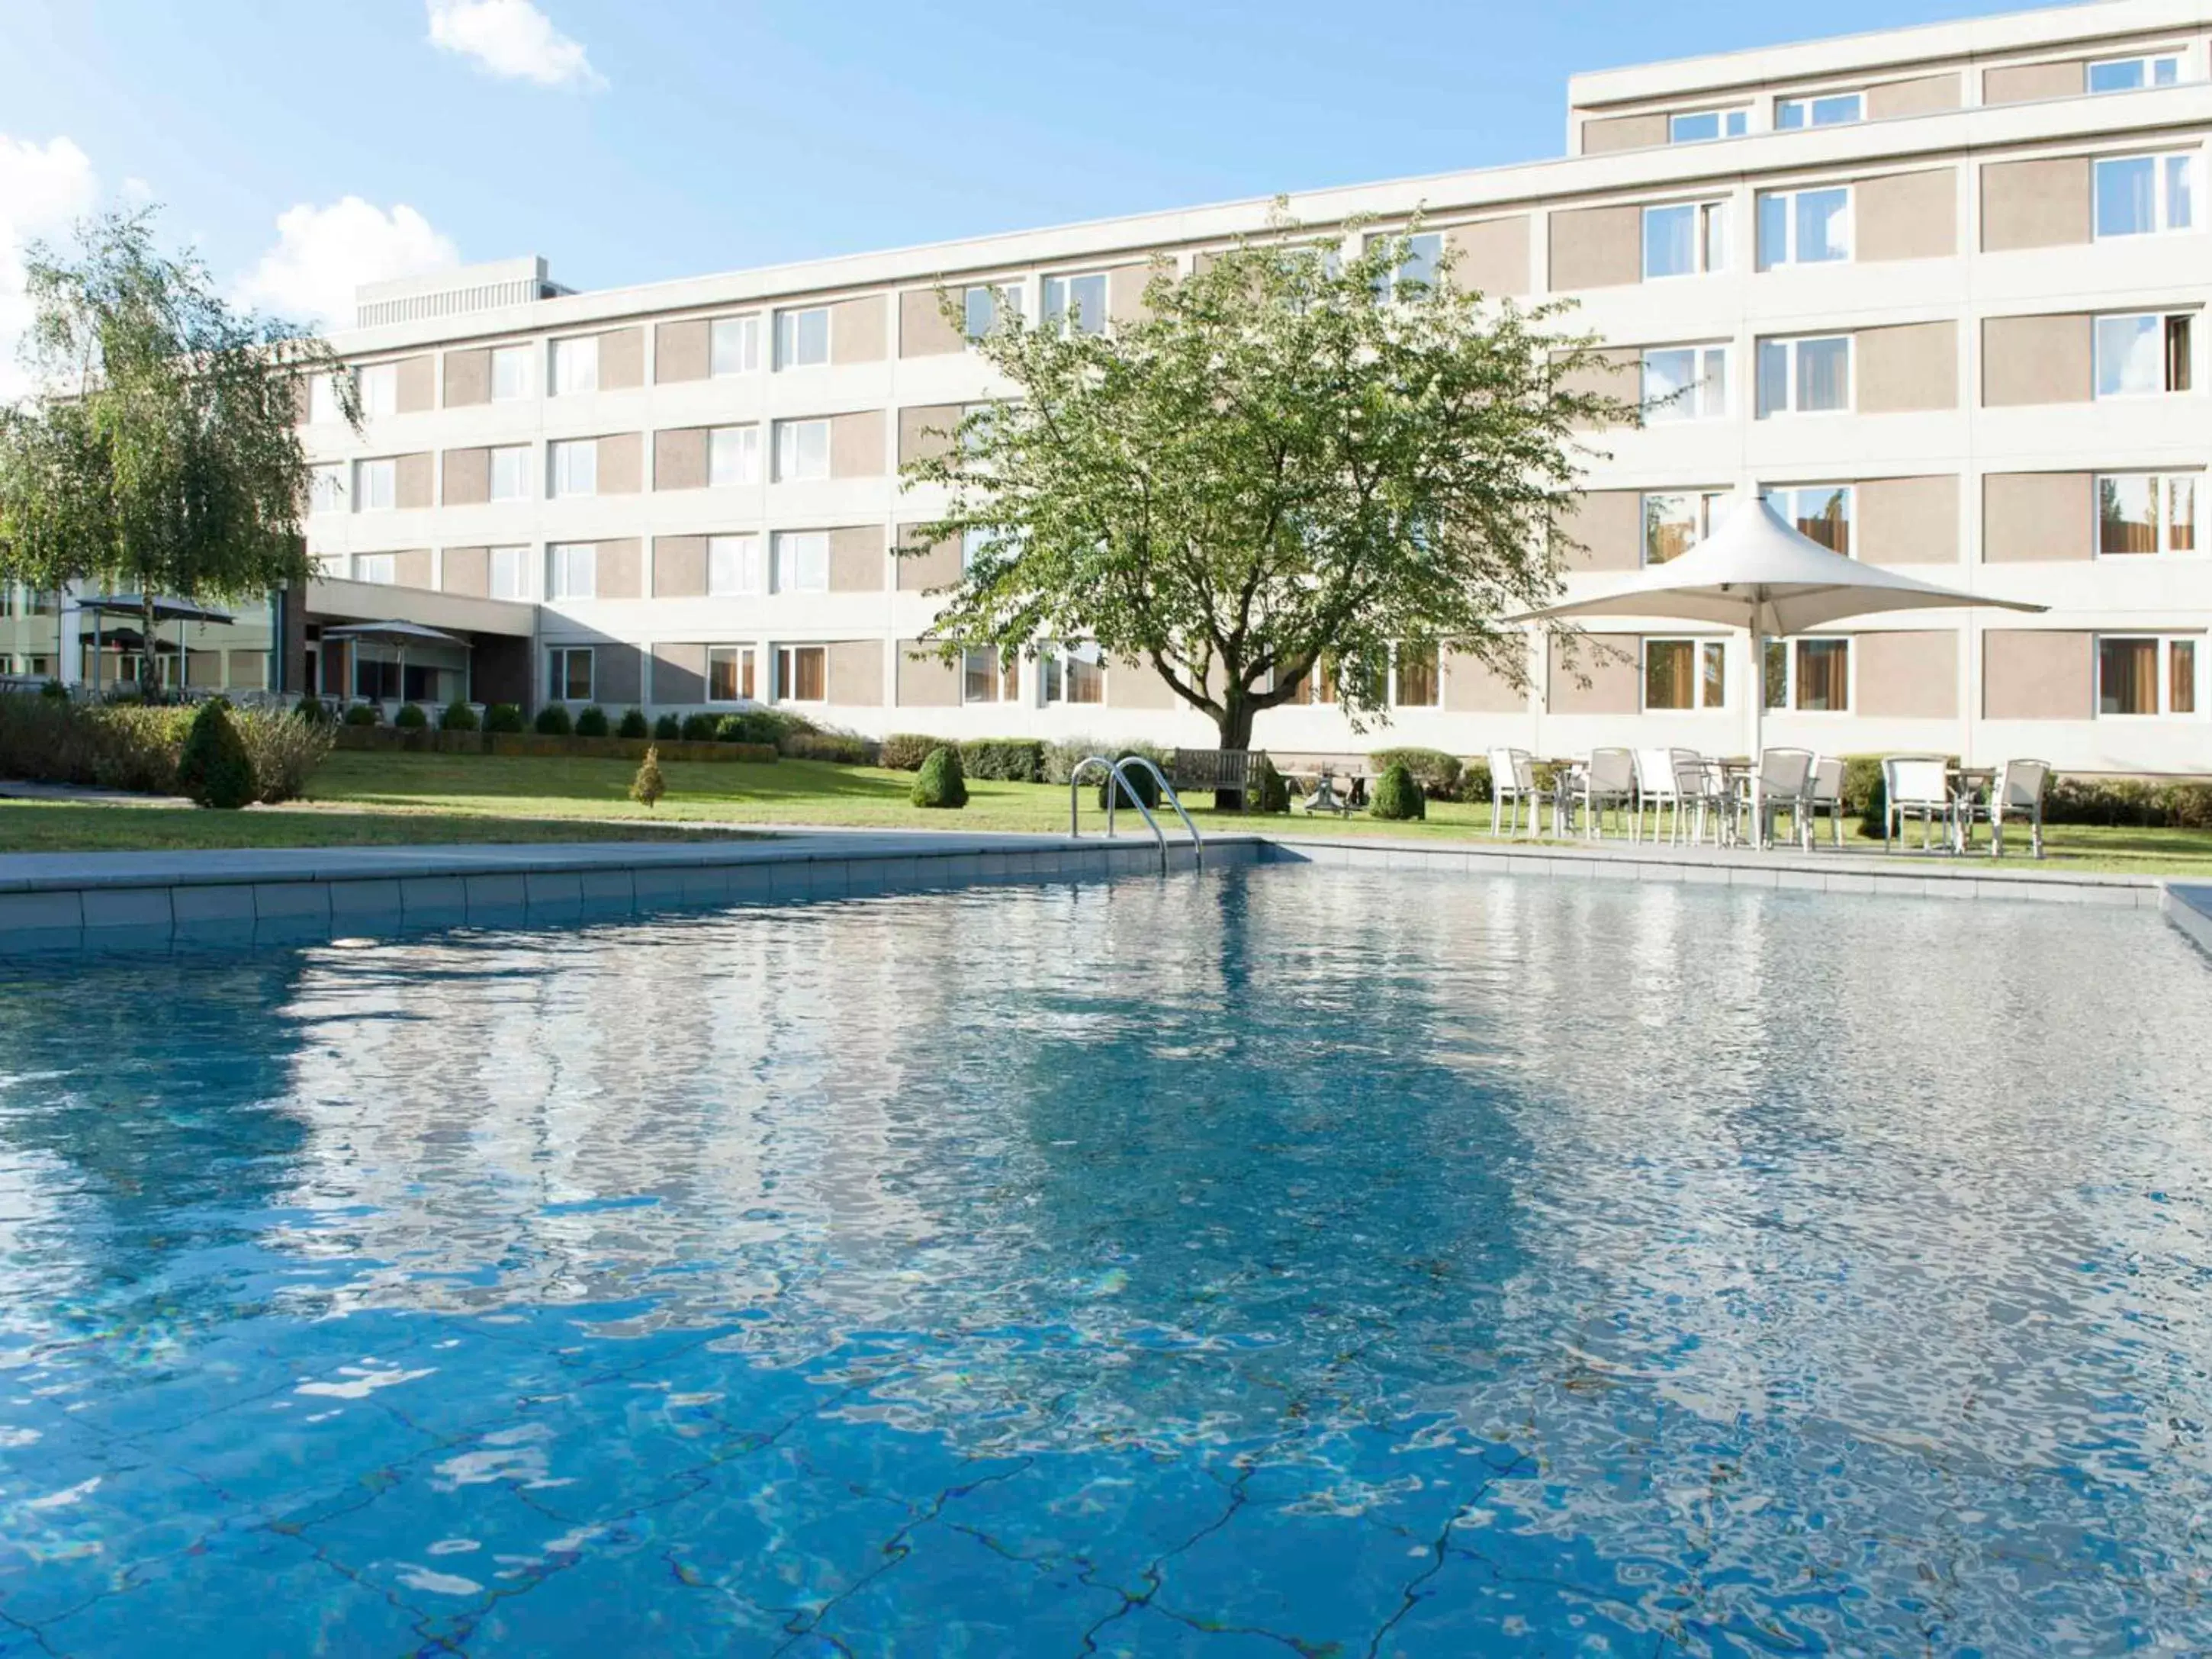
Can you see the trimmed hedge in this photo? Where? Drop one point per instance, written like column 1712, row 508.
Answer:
column 592, row 722
column 362, row 713
column 668, row 728
column 384, row 740
column 1398, row 796
column 504, row 717
column 940, row 783
column 904, row 752
column 553, row 721
column 634, row 724
column 841, row 748
column 1004, row 760
column 698, row 729
column 410, row 717
column 458, row 717
column 1475, row 782
column 1437, row 773
column 131, row 747
column 1146, row 786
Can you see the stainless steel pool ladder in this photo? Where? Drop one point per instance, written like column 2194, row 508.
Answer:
column 1116, row 775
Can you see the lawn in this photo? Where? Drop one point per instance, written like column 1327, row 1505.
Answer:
column 361, row 799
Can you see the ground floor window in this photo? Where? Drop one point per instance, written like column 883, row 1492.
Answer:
column 990, row 676
column 1416, row 680
column 1072, row 674
column 569, row 674
column 1812, row 677
column 1685, row 674
column 2146, row 676
column 729, row 673
column 1317, row 684
column 802, row 673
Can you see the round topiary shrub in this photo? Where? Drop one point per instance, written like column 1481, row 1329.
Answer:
column 592, row 722
column 698, row 729
column 504, row 717
column 1398, row 796
column 411, row 718
column 361, row 714
column 940, row 782
column 1140, row 779
column 213, row 768
column 634, row 725
column 667, row 728
column 1271, row 790
column 459, row 716
column 312, row 711
column 553, row 721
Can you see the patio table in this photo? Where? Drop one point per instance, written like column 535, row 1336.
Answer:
column 1967, row 784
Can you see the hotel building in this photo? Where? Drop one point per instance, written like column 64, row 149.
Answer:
column 1938, row 291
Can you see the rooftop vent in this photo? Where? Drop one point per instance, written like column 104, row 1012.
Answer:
column 452, row 292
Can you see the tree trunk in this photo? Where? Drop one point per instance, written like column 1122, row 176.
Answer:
column 1233, row 724
column 149, row 685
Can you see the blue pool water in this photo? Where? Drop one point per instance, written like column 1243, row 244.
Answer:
column 1288, row 1262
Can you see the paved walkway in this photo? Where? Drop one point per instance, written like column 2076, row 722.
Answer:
column 16, row 789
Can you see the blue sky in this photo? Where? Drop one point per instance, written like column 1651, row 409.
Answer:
column 630, row 141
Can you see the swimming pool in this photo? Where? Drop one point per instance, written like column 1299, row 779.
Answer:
column 1284, row 1261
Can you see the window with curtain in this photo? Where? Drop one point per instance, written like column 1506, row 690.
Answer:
column 510, row 473
column 1670, row 674
column 802, row 450
column 2127, row 676
column 2134, row 74
column 733, row 345
column 733, row 566
column 2145, row 195
column 1804, row 227
column 1684, row 239
column 802, row 562
column 1417, row 682
column 576, row 365
column 802, row 673
column 2140, row 354
column 988, row 676
column 1077, row 303
column 802, row 338
column 1684, row 383
column 1833, row 109
column 510, row 374
column 1810, row 677
column 733, row 455
column 729, row 673
column 1811, row 376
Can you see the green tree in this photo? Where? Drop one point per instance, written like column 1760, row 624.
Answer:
column 160, row 451
column 1281, row 465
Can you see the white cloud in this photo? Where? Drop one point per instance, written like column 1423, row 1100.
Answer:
column 44, row 188
column 513, row 39
column 323, row 253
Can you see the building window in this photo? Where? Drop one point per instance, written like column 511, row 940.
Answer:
column 1076, row 304
column 1820, row 512
column 1676, row 521
column 733, row 345
column 1834, row 109
column 802, row 561
column 323, row 399
column 571, row 571
column 1684, row 383
column 509, row 572
column 1415, row 681
column 576, row 365
column 375, row 486
column 510, row 472
column 1684, row 239
column 510, row 374
column 1804, row 227
column 2143, row 354
column 982, row 304
column 976, row 546
column 2146, row 676
column 575, row 466
column 1809, row 376
column 1418, row 270
column 802, row 450
column 2133, row 73
column 734, row 456
column 1682, row 675
column 381, row 568
column 1071, row 674
column 569, row 674
column 2142, row 513
column 1811, row 677
column 729, row 673
column 802, row 338
column 733, row 567
column 326, row 488
column 802, row 673
column 1700, row 126
column 2145, row 195
column 379, row 386
column 984, row 677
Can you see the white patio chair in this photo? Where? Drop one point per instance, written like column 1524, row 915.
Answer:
column 1784, row 785
column 1656, row 789
column 1697, row 789
column 1609, row 779
column 1512, row 782
column 1916, row 785
column 2017, row 795
column 1826, row 796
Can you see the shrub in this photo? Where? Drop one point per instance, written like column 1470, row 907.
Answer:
column 904, row 752
column 634, row 725
column 458, row 717
column 592, row 722
column 2187, row 805
column 314, row 710
column 1146, row 786
column 213, row 768
column 732, row 728
column 54, row 690
column 411, row 718
column 1006, row 760
column 505, row 717
column 1437, row 772
column 1398, row 795
column 648, row 786
column 1475, row 783
column 1271, row 790
column 842, row 748
column 699, row 728
column 361, row 713
column 940, row 783
column 284, row 749
column 553, row 721
column 667, row 728
column 111, row 746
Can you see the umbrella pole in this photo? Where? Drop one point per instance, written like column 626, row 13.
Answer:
column 1758, row 722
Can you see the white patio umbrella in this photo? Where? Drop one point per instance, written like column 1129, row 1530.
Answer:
column 1758, row 573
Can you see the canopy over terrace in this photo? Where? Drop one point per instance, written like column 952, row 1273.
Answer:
column 134, row 605
column 399, row 635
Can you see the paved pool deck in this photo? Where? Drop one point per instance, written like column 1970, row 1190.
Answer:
column 133, row 901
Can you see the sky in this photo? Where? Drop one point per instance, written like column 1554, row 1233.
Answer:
column 304, row 145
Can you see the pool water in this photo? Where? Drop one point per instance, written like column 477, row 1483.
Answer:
column 1283, row 1262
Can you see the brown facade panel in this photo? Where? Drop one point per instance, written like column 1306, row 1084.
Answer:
column 1925, row 95
column 856, row 445
column 856, row 673
column 622, row 359
column 2021, row 83
column 857, row 329
column 1472, row 686
column 617, row 573
column 203, row 668
column 1596, row 247
column 679, row 567
column 682, row 351
column 925, row 682
column 2038, row 674
column 1493, row 255
column 1125, row 291
column 465, row 570
column 2038, row 518
column 1607, row 525
column 1911, row 365
column 1614, row 372
column 2037, row 360
column 856, row 559
column 414, row 480
column 411, row 567
column 468, row 377
column 1611, row 132
column 1612, row 666
column 1133, row 684
column 419, row 384
column 679, row 673
column 621, row 464
column 245, row 670
column 925, row 430
column 1909, row 520
column 1907, row 215
column 2040, row 203
column 923, row 331
column 679, row 458
column 617, row 672
column 938, row 568
column 468, row 476
column 1908, row 676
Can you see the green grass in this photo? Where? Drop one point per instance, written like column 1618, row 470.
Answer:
column 359, row 798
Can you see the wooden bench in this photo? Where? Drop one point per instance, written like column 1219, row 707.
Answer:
column 1216, row 769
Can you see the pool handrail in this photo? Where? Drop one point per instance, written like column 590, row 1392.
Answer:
column 1116, row 774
